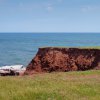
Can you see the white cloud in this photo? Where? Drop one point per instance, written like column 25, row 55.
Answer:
column 48, row 5
column 29, row 6
column 90, row 8
column 50, row 8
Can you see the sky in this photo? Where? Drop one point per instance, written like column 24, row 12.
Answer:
column 49, row 15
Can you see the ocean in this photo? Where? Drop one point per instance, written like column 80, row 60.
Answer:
column 20, row 48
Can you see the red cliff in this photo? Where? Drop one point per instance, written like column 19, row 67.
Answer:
column 52, row 59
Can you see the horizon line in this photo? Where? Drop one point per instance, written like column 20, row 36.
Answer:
column 49, row 32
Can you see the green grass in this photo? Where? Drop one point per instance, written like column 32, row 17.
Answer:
column 52, row 86
column 83, row 47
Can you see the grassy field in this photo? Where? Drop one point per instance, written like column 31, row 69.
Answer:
column 53, row 86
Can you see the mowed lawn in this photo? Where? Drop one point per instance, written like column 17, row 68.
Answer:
column 52, row 86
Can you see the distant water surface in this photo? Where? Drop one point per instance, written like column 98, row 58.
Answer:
column 20, row 48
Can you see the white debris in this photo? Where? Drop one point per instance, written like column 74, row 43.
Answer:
column 12, row 70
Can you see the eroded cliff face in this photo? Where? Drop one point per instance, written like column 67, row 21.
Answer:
column 64, row 59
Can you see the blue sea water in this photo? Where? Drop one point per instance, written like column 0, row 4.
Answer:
column 20, row 48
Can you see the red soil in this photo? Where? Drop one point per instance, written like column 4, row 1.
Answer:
column 63, row 60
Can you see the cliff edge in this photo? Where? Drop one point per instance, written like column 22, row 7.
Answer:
column 52, row 59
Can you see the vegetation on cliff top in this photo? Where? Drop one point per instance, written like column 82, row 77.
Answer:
column 81, row 47
column 53, row 86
